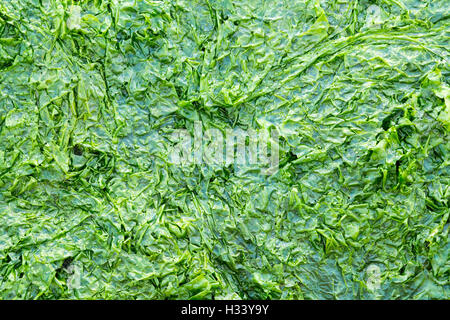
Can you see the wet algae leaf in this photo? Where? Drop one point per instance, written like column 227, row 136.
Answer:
column 92, row 208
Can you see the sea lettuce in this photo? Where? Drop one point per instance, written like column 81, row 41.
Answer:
column 92, row 90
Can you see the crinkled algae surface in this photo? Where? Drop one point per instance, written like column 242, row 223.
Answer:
column 91, row 207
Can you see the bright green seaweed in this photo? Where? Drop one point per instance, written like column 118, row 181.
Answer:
column 91, row 208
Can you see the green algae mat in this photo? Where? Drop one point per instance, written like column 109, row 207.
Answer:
column 92, row 205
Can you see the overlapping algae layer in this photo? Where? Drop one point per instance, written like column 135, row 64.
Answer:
column 90, row 206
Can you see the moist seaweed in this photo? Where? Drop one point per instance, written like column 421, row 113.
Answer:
column 91, row 208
